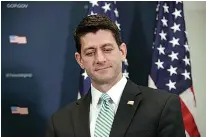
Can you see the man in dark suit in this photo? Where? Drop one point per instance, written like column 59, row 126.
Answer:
column 114, row 105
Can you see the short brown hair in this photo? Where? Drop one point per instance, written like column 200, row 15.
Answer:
column 93, row 23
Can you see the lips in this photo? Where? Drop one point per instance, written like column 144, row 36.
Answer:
column 101, row 68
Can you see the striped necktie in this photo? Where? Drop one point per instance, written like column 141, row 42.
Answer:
column 105, row 118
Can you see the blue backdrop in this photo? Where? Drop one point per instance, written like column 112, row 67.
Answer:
column 48, row 58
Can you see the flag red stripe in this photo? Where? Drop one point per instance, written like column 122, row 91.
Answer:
column 189, row 122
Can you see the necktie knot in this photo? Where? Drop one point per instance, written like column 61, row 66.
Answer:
column 105, row 97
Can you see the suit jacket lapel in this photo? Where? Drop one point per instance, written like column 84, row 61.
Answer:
column 81, row 117
column 125, row 112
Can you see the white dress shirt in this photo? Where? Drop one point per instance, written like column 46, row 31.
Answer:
column 115, row 93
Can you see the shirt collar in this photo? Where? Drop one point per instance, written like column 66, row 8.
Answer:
column 115, row 92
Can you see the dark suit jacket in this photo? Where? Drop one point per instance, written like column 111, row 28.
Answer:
column 154, row 113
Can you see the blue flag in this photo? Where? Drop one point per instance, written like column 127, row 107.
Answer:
column 110, row 10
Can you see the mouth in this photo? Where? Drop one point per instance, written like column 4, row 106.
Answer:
column 101, row 68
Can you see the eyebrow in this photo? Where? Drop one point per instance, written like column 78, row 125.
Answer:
column 107, row 44
column 89, row 48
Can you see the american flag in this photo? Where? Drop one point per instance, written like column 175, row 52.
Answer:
column 19, row 110
column 109, row 9
column 17, row 39
column 171, row 66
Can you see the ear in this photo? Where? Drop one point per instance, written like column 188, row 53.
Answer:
column 79, row 60
column 123, row 49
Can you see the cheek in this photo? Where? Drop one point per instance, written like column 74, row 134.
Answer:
column 117, row 62
column 87, row 64
column 117, row 55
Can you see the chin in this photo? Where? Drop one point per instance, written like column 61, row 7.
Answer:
column 103, row 79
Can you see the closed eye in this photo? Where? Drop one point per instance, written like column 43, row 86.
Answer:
column 90, row 54
column 108, row 50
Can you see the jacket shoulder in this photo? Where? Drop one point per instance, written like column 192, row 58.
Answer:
column 155, row 92
column 156, row 96
column 149, row 94
column 66, row 109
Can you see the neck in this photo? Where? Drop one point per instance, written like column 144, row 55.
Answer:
column 104, row 87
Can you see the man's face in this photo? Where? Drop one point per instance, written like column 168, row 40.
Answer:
column 101, row 57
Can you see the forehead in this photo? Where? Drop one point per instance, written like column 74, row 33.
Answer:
column 97, row 39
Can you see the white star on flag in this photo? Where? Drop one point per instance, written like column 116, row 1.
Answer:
column 174, row 41
column 159, row 64
column 172, row 70
column 116, row 12
column 186, row 33
column 94, row 3
column 106, row 7
column 164, row 21
column 157, row 8
column 186, row 74
column 161, row 50
column 177, row 13
column 178, row 2
column 186, row 46
column 92, row 13
column 166, row 8
column 173, row 56
column 118, row 25
column 125, row 73
column 126, row 62
column 186, row 60
column 163, row 35
column 85, row 74
column 175, row 27
column 157, row 17
column 171, row 85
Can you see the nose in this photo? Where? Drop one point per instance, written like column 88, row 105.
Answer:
column 100, row 57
